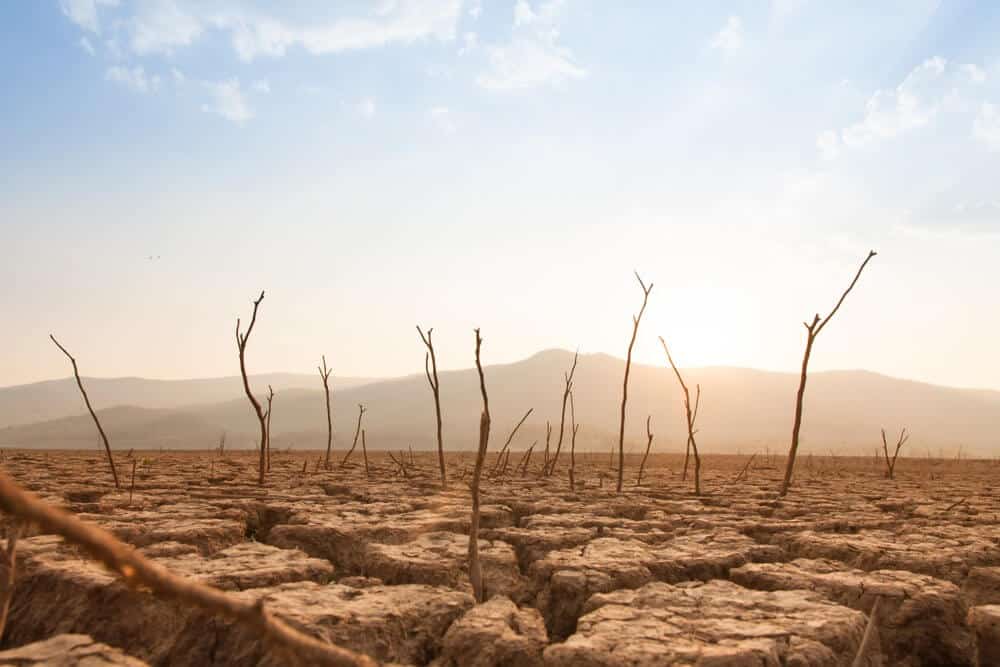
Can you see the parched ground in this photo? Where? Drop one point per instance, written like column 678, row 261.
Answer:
column 376, row 562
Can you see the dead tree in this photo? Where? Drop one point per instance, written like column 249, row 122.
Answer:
column 812, row 330
column 506, row 445
column 140, row 573
column 8, row 562
column 628, row 366
column 572, row 444
column 267, row 440
column 357, row 432
column 890, row 464
column 475, row 570
column 241, row 344
column 324, row 374
column 86, row 400
column 364, row 452
column 568, row 377
column 526, row 459
column 548, row 439
column 431, row 370
column 649, row 444
column 691, row 417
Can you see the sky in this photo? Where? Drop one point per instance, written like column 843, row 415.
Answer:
column 501, row 164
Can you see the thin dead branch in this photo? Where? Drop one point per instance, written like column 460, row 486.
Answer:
column 267, row 440
column 475, row 570
column 357, row 434
column 568, row 377
column 649, row 444
column 241, row 345
column 690, row 416
column 364, row 452
column 890, row 464
column 628, row 367
column 431, row 371
column 506, row 445
column 324, row 374
column 140, row 573
column 812, row 330
column 572, row 443
column 86, row 400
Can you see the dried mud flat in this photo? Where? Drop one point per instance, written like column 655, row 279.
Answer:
column 654, row 576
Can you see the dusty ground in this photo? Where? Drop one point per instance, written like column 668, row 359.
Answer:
column 576, row 577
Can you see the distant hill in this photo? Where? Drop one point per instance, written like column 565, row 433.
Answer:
column 741, row 410
column 52, row 399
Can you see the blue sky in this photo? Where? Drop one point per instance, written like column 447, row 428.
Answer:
column 498, row 164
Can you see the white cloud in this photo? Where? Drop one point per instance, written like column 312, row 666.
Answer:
column 730, row 37
column 469, row 43
column 84, row 13
column 86, row 45
column 910, row 105
column 134, row 78
column 475, row 9
column 366, row 107
column 178, row 75
column 441, row 118
column 261, row 86
column 227, row 100
column 975, row 73
column 400, row 22
column 261, row 29
column 986, row 127
column 523, row 14
column 527, row 63
column 160, row 26
column 828, row 144
column 533, row 57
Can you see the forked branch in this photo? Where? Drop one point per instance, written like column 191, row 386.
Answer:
column 431, row 371
column 812, row 330
column 628, row 366
column 138, row 572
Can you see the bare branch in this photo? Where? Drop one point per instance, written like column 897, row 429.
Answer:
column 475, row 570
column 628, row 366
column 90, row 409
column 138, row 572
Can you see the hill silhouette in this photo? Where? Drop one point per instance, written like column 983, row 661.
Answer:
column 741, row 410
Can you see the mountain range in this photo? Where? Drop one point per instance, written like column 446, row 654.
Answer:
column 742, row 410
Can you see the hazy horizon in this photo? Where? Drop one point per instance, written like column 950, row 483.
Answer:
column 459, row 164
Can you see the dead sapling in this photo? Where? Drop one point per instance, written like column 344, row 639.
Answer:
column 745, row 472
column 572, row 443
column 628, row 367
column 267, row 440
column 131, row 487
column 475, row 569
column 691, row 416
column 241, row 345
column 324, row 374
column 568, row 379
column 526, row 459
column 364, row 452
column 812, row 330
column 86, row 400
column 357, row 434
column 506, row 446
column 548, row 439
column 649, row 444
column 431, row 371
column 890, row 464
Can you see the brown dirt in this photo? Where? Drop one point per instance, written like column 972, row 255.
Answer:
column 575, row 577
